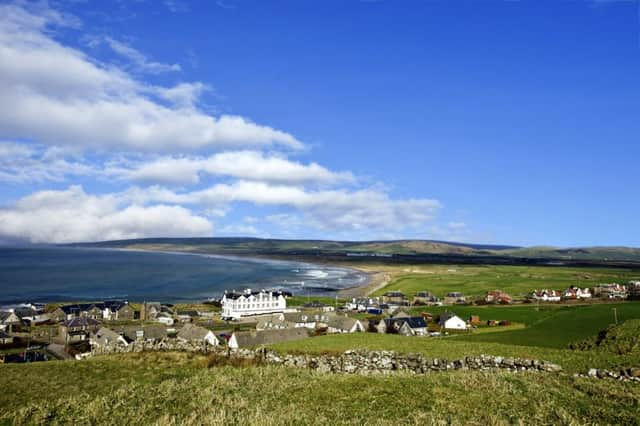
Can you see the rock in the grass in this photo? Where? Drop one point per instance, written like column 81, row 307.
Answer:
column 634, row 372
column 592, row 372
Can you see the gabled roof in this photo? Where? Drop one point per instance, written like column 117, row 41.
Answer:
column 446, row 316
column 151, row 332
column 4, row 315
column 25, row 312
column 268, row 337
column 340, row 322
column 192, row 332
column 412, row 322
column 81, row 322
column 107, row 333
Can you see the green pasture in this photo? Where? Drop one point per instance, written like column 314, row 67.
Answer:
column 515, row 280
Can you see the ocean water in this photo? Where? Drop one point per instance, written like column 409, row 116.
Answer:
column 58, row 274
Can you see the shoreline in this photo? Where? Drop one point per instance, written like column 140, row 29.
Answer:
column 375, row 280
column 365, row 279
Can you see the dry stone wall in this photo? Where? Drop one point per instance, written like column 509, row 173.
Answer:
column 350, row 362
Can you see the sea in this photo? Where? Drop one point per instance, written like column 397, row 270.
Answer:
column 50, row 274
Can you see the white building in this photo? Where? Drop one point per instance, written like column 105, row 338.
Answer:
column 449, row 320
column 546, row 295
column 248, row 303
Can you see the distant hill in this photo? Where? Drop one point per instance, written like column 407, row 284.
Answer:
column 402, row 248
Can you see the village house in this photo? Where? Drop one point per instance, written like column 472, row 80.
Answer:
column 576, row 293
column 344, row 324
column 148, row 333
column 305, row 319
column 108, row 311
column 8, row 319
column 362, row 304
column 150, row 311
column 395, row 297
column 78, row 329
column 266, row 337
column 105, row 336
column 411, row 326
column 450, row 321
column 498, row 297
column 425, row 298
column 249, row 303
column 194, row 333
column 117, row 310
column 474, row 319
column 5, row 339
column 273, row 322
column 610, row 291
column 546, row 295
column 165, row 319
column 318, row 306
column 454, row 298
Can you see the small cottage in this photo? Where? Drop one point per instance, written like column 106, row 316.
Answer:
column 450, row 321
column 344, row 324
column 194, row 333
column 266, row 337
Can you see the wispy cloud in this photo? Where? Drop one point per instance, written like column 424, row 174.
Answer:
column 140, row 61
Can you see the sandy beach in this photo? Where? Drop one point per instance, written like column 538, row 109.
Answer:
column 377, row 281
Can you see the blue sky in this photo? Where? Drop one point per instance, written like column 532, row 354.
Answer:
column 511, row 122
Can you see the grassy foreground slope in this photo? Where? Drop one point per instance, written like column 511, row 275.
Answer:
column 157, row 388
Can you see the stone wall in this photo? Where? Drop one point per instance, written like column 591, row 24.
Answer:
column 350, row 362
column 626, row 375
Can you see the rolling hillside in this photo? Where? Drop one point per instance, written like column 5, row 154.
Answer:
column 256, row 246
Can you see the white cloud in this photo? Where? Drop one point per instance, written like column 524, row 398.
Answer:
column 20, row 163
column 58, row 95
column 331, row 210
column 140, row 61
column 73, row 215
column 248, row 165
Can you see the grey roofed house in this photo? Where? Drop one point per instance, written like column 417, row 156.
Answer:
column 273, row 322
column 266, row 337
column 104, row 336
column 8, row 317
column 81, row 323
column 445, row 316
column 146, row 332
column 344, row 324
column 411, row 325
column 195, row 333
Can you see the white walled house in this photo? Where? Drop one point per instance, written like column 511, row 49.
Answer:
column 451, row 321
column 546, row 295
column 249, row 303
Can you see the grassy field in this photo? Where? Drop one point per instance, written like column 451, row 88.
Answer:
column 515, row 280
column 168, row 388
column 549, row 325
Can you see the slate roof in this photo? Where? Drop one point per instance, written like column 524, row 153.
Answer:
column 192, row 332
column 268, row 337
column 341, row 322
column 151, row 332
column 446, row 316
column 412, row 322
column 81, row 322
column 4, row 315
column 106, row 333
column 25, row 312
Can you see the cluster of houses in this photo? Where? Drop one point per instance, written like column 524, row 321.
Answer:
column 613, row 291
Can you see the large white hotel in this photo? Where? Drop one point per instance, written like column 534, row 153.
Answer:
column 248, row 303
